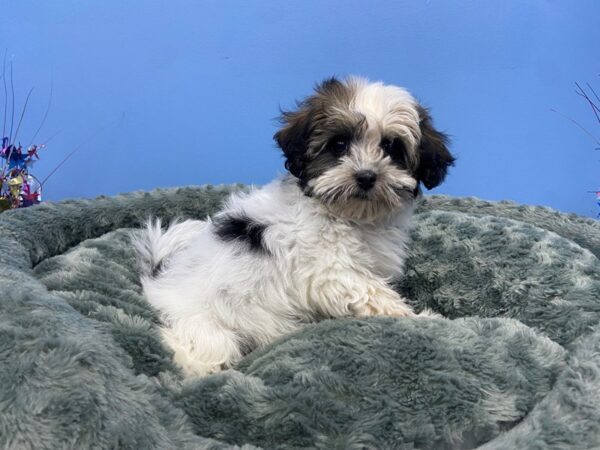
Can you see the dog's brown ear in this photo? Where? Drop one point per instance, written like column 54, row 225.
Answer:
column 298, row 125
column 292, row 138
column 434, row 156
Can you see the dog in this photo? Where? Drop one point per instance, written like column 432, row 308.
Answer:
column 324, row 241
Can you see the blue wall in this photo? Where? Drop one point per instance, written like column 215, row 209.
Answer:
column 186, row 92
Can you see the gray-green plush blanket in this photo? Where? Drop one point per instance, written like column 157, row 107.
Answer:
column 516, row 363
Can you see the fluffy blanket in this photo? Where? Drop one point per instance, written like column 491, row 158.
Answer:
column 515, row 363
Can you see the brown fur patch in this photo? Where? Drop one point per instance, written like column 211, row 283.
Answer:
column 319, row 118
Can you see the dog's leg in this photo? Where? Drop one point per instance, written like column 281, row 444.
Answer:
column 338, row 294
column 202, row 349
column 387, row 302
column 384, row 301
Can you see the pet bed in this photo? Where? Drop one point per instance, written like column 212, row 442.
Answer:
column 515, row 363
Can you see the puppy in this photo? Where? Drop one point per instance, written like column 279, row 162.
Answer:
column 324, row 241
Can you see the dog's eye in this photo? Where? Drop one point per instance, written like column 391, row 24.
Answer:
column 339, row 145
column 392, row 146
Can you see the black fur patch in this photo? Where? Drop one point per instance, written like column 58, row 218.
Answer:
column 396, row 150
column 434, row 157
column 241, row 228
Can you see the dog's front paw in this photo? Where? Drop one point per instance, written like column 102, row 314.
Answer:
column 339, row 295
column 384, row 301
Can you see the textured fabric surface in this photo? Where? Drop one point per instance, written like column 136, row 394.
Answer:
column 515, row 363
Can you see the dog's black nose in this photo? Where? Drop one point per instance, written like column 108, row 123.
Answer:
column 366, row 179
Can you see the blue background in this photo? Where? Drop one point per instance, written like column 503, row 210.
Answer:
column 167, row 93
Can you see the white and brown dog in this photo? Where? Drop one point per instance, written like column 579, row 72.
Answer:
column 325, row 241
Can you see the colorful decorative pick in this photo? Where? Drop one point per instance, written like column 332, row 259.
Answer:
column 18, row 187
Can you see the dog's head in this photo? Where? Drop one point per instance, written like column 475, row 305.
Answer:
column 362, row 148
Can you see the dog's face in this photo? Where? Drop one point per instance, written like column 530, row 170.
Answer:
column 362, row 148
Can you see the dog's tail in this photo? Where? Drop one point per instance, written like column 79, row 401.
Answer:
column 155, row 246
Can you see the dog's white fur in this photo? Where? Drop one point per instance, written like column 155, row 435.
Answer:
column 323, row 256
